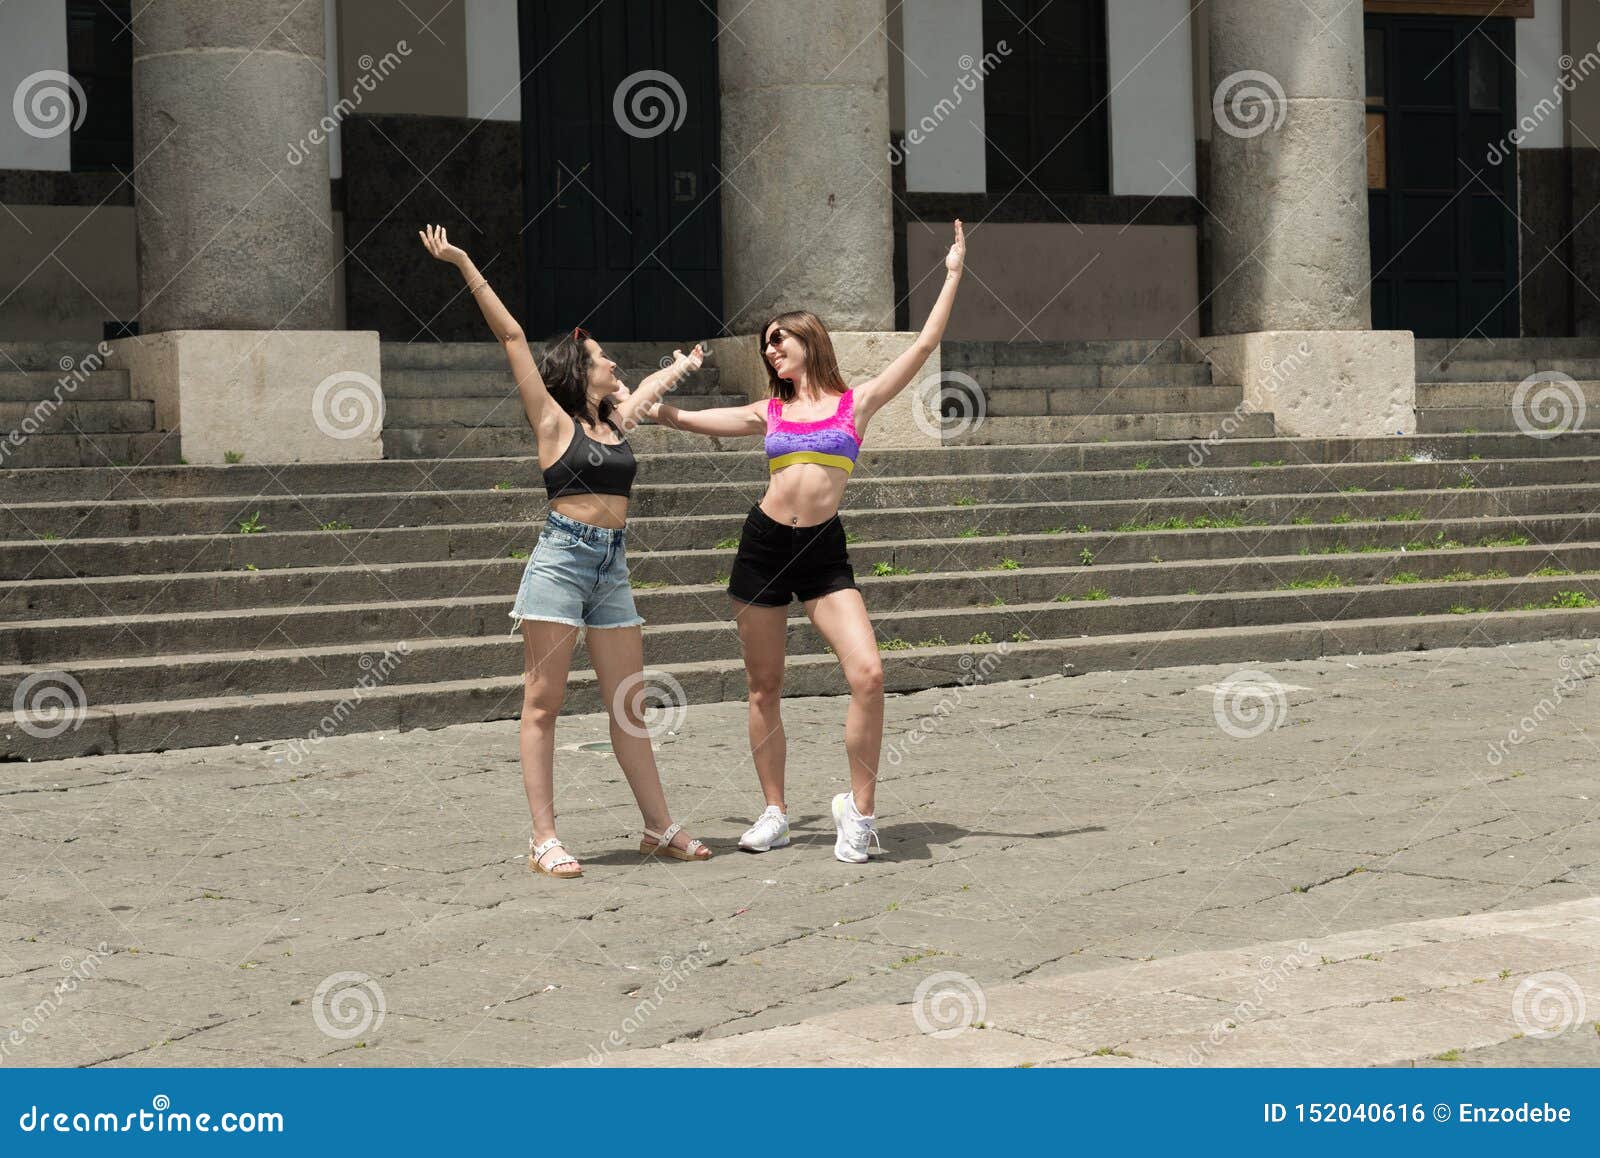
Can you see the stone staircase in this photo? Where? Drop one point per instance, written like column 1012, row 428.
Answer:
column 1471, row 385
column 458, row 399
column 1090, row 391
column 178, row 606
column 64, row 416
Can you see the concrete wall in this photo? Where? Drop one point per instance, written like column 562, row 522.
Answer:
column 1539, row 48
column 433, row 79
column 33, row 37
column 1149, row 75
column 939, row 35
column 65, row 270
column 493, row 60
column 1060, row 281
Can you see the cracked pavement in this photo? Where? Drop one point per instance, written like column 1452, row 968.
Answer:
column 371, row 905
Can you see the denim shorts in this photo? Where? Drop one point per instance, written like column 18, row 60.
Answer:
column 577, row 575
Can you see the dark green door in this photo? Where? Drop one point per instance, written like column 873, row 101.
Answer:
column 1441, row 98
column 622, row 222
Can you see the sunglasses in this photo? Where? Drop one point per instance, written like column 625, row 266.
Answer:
column 774, row 340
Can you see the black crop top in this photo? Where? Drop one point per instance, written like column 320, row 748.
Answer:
column 588, row 467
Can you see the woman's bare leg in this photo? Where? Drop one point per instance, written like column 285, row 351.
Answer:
column 763, row 636
column 618, row 657
column 547, row 658
column 841, row 618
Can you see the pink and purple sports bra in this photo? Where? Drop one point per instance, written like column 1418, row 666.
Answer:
column 827, row 441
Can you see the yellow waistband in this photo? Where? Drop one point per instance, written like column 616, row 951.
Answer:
column 816, row 456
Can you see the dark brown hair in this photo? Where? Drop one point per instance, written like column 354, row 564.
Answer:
column 565, row 370
column 822, row 365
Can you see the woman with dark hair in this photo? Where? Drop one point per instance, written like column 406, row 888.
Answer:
column 577, row 575
column 793, row 546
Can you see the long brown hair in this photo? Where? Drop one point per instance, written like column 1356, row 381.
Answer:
column 565, row 370
column 822, row 365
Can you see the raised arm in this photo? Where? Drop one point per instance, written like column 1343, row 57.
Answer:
column 875, row 393
column 721, row 422
column 641, row 402
column 536, row 401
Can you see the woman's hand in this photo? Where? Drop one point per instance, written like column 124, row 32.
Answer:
column 439, row 245
column 956, row 259
column 685, row 363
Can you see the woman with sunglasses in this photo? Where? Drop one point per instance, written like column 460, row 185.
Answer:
column 793, row 546
column 577, row 575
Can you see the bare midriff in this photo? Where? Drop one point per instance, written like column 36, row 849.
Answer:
column 596, row 510
column 804, row 494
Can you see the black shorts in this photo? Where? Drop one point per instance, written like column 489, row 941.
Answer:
column 777, row 562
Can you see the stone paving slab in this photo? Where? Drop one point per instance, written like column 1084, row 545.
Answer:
column 1051, row 837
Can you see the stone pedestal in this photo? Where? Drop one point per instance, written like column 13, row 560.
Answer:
column 1288, row 167
column 1323, row 383
column 910, row 420
column 234, row 225
column 271, row 396
column 806, row 219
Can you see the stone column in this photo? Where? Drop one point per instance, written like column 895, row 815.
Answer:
column 236, row 247
column 232, row 233
column 806, row 218
column 1291, row 259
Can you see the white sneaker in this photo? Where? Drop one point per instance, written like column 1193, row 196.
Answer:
column 856, row 832
column 771, row 830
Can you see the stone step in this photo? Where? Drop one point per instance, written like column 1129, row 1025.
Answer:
column 39, row 385
column 457, row 442
column 1435, row 350
column 78, row 417
column 687, row 550
column 522, row 499
column 57, row 356
column 405, row 382
column 1500, row 418
column 106, row 451
column 1069, row 374
column 502, row 410
column 1007, row 402
column 491, row 356
column 1506, row 369
column 688, row 586
column 742, row 458
column 1109, row 427
column 251, row 719
column 1126, row 351
column 1493, row 395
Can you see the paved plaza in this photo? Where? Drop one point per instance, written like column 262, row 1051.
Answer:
column 1346, row 861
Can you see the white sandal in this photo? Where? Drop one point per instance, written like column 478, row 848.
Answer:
column 660, row 844
column 537, row 851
